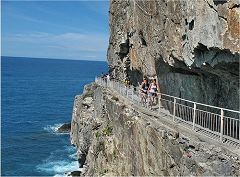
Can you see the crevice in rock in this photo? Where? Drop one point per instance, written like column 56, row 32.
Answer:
column 235, row 6
column 184, row 37
column 215, row 11
column 124, row 49
column 211, row 6
column 130, row 34
column 191, row 25
column 177, row 23
column 164, row 19
column 183, row 71
column 185, row 43
column 222, row 17
column 143, row 41
column 82, row 160
column 217, row 2
column 134, row 76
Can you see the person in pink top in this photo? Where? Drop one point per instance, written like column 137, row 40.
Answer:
column 153, row 90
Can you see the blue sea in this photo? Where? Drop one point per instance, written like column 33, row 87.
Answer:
column 37, row 96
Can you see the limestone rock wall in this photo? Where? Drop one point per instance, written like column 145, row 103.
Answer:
column 192, row 47
column 115, row 139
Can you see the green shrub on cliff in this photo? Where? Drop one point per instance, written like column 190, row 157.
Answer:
column 100, row 147
column 98, row 135
column 107, row 131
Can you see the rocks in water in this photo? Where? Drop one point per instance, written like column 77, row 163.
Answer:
column 74, row 173
column 65, row 128
column 81, row 160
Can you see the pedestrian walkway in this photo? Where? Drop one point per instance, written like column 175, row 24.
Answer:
column 217, row 123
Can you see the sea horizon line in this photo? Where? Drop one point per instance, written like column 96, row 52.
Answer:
column 45, row 58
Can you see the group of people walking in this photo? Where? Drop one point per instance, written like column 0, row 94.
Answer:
column 148, row 89
column 106, row 78
column 149, row 92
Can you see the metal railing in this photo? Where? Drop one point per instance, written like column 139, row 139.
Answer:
column 218, row 123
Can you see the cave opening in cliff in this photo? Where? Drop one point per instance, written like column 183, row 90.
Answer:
column 191, row 25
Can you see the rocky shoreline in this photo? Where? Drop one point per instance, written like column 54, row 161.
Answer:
column 65, row 128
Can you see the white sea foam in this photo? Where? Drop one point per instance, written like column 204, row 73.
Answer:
column 32, row 121
column 73, row 156
column 24, row 122
column 58, row 175
column 70, row 149
column 52, row 128
column 58, row 167
column 58, row 164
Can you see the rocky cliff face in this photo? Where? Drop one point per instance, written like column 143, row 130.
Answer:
column 191, row 47
column 116, row 138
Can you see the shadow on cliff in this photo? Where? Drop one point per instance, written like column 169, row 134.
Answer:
column 210, row 80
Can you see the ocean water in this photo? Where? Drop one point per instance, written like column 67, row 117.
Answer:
column 37, row 97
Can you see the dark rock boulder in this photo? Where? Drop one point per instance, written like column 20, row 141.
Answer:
column 65, row 128
column 75, row 173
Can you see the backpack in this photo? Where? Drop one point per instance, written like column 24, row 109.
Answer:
column 145, row 86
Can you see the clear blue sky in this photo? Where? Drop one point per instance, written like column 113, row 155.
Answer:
column 55, row 29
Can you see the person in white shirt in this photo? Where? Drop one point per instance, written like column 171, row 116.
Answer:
column 108, row 79
column 152, row 90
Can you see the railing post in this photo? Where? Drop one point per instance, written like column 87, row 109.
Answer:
column 125, row 90
column 194, row 115
column 221, row 131
column 174, row 108
column 238, row 128
column 159, row 103
column 132, row 92
column 120, row 88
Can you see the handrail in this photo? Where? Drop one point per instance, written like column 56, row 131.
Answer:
column 222, row 127
column 202, row 104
